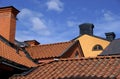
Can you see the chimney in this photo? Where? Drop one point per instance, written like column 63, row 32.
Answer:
column 110, row 36
column 8, row 22
column 86, row 28
column 32, row 42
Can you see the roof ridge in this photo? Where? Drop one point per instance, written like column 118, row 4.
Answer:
column 90, row 35
column 68, row 48
column 58, row 43
column 53, row 43
column 83, row 58
column 98, row 57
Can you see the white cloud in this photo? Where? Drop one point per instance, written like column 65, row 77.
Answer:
column 55, row 5
column 34, row 21
column 29, row 13
column 35, row 26
column 72, row 23
column 110, row 22
column 38, row 24
column 108, row 16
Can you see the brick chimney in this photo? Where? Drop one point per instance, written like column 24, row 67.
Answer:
column 110, row 36
column 8, row 22
column 86, row 28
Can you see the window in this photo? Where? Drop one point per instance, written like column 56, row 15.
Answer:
column 76, row 54
column 97, row 47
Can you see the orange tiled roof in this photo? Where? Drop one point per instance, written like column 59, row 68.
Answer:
column 85, row 68
column 48, row 50
column 10, row 54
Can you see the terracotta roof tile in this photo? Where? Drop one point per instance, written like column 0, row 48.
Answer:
column 84, row 68
column 48, row 50
column 11, row 54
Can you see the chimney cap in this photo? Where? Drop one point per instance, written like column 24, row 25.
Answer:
column 9, row 8
column 110, row 33
column 87, row 25
column 110, row 36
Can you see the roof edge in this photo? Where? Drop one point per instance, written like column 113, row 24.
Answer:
column 81, row 48
column 13, row 64
column 82, row 58
column 91, row 36
column 67, row 49
column 87, row 58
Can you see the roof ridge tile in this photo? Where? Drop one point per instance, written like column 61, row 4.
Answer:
column 85, row 58
column 52, row 44
column 77, row 59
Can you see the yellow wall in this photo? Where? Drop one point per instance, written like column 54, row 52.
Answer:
column 88, row 42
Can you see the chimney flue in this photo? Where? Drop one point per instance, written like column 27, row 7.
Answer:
column 8, row 22
column 110, row 36
column 86, row 28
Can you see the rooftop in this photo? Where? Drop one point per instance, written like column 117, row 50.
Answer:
column 10, row 53
column 104, row 67
column 48, row 50
column 113, row 48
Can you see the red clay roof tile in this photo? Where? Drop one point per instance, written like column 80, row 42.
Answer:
column 83, row 68
column 10, row 54
column 48, row 50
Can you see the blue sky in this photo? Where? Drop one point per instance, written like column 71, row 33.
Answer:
column 49, row 21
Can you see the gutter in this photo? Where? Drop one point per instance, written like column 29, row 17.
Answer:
column 5, row 63
column 12, row 64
